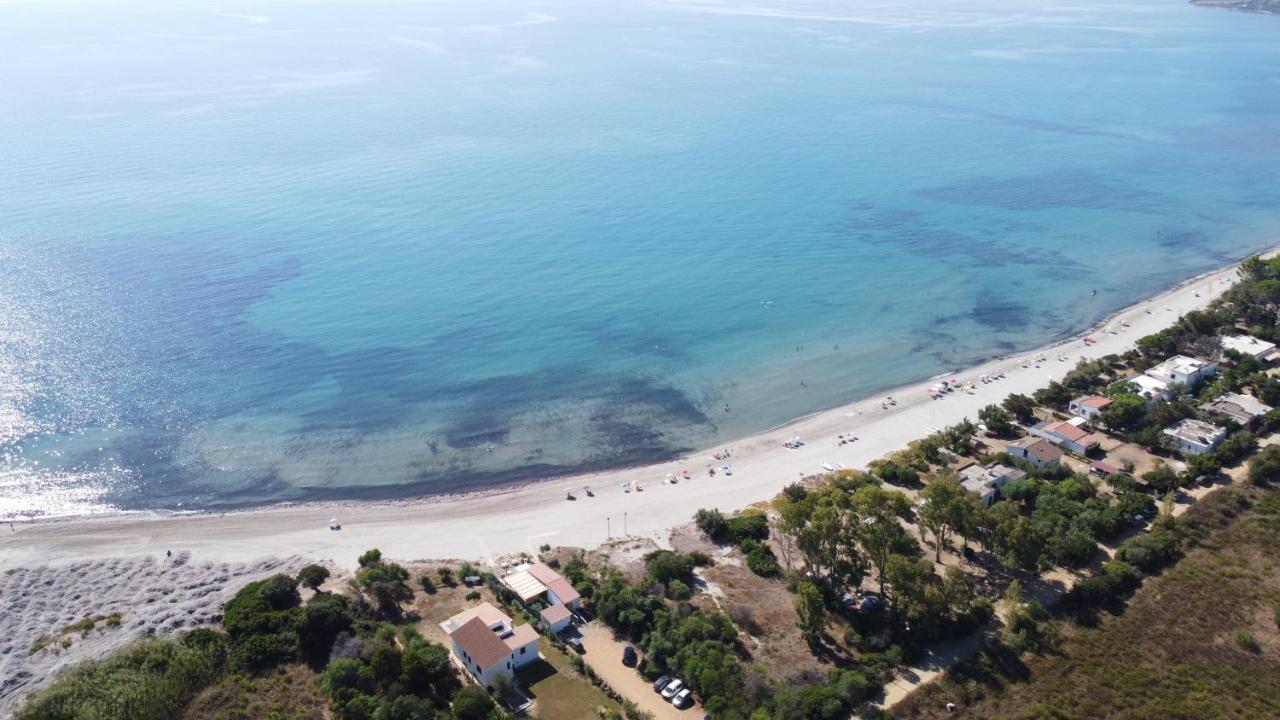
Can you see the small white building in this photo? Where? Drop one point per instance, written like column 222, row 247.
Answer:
column 488, row 645
column 1261, row 350
column 986, row 482
column 1185, row 370
column 1243, row 409
column 1089, row 407
column 557, row 617
column 1149, row 388
column 1195, row 437
column 1066, row 434
column 1037, row 451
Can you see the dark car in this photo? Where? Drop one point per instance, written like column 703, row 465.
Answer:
column 629, row 656
column 661, row 683
column 576, row 644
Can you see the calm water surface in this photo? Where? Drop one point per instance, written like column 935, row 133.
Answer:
column 255, row 251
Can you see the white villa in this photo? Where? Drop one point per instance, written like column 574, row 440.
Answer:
column 1250, row 345
column 1089, row 407
column 986, row 482
column 1149, row 387
column 1195, row 437
column 488, row 645
column 1037, row 451
column 1066, row 434
column 1188, row 371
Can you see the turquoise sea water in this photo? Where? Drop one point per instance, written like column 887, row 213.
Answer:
column 254, row 251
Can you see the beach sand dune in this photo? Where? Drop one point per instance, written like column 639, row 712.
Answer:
column 152, row 596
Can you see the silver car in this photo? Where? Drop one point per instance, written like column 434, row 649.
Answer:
column 670, row 690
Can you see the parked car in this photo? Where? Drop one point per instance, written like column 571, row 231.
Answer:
column 576, row 643
column 661, row 683
column 671, row 690
column 629, row 656
column 682, row 699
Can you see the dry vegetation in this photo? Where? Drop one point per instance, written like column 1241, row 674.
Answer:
column 289, row 692
column 1200, row 640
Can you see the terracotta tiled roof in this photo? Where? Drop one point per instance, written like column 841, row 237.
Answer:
column 1096, row 401
column 481, row 644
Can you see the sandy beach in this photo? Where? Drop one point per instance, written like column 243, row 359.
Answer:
column 485, row 525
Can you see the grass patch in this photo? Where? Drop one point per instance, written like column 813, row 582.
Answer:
column 560, row 691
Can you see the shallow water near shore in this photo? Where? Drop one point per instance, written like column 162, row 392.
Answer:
column 287, row 251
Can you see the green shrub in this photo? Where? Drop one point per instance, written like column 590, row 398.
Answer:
column 1247, row 642
column 761, row 561
column 472, row 703
column 753, row 526
column 428, row 586
column 678, row 590
column 150, row 679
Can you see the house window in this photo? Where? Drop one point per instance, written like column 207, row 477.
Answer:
column 522, row 650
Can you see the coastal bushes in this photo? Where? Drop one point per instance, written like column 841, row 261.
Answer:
column 749, row 531
column 391, row 674
column 150, row 679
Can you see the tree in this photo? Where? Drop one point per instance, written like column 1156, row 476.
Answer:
column 786, row 528
column 472, row 703
column 313, row 576
column 1022, row 407
column 1055, row 394
column 1264, row 468
column 322, row 619
column 425, row 668
column 944, row 509
column 386, row 584
column 997, row 419
column 811, row 615
column 876, row 514
column 1162, row 478
column 406, row 707
column 1125, row 411
column 829, row 546
column 370, row 558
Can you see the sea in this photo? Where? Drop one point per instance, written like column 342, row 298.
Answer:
column 264, row 251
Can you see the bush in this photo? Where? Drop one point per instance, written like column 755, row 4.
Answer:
column 148, row 680
column 678, row 590
column 712, row 523
column 761, row 561
column 313, row 576
column 428, row 586
column 472, row 703
column 1247, row 642
column 473, row 595
column 665, row 566
column 753, row 526
column 1264, row 468
column 261, row 623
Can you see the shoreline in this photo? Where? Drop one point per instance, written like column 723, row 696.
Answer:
column 487, row 522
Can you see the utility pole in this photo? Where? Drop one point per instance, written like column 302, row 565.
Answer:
column 624, row 523
column 607, row 531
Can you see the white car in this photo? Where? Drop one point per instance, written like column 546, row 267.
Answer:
column 682, row 698
column 671, row 689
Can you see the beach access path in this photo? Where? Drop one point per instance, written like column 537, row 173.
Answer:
column 485, row 525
